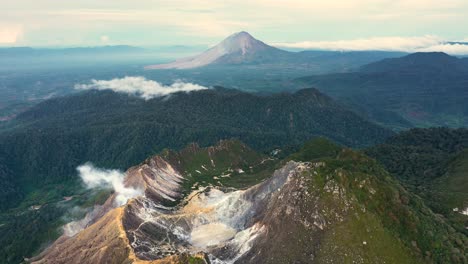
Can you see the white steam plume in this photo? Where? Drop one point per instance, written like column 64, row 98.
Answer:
column 72, row 228
column 140, row 86
column 94, row 177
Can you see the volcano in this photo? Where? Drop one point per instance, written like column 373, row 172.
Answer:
column 239, row 48
column 227, row 204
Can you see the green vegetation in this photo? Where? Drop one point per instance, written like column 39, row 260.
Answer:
column 452, row 187
column 26, row 230
column 362, row 237
column 44, row 145
column 433, row 164
column 230, row 163
column 379, row 211
column 36, row 221
column 196, row 260
column 448, row 193
column 317, row 148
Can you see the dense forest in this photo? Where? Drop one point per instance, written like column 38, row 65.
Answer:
column 418, row 90
column 433, row 164
column 44, row 145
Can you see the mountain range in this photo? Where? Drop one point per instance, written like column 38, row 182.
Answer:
column 431, row 163
column 114, row 129
column 243, row 49
column 421, row 89
column 238, row 48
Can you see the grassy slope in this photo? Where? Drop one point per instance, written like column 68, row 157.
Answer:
column 449, row 192
column 396, row 225
column 432, row 163
column 451, row 188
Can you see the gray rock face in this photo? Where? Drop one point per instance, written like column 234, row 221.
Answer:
column 224, row 225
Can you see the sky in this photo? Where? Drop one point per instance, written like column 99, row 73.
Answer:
column 288, row 23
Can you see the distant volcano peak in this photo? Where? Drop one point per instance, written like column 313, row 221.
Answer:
column 242, row 41
column 238, row 48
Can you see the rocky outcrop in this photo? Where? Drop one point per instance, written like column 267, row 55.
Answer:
column 344, row 208
column 224, row 225
column 102, row 242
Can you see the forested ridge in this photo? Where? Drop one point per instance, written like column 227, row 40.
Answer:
column 45, row 144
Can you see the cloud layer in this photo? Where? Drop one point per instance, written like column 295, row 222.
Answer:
column 94, row 177
column 157, row 22
column 140, row 86
column 409, row 44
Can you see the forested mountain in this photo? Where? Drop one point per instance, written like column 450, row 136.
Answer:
column 432, row 163
column 42, row 147
column 45, row 144
column 421, row 89
column 420, row 63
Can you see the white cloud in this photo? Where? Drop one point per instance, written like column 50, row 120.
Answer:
column 104, row 39
column 169, row 22
column 406, row 44
column 10, row 34
column 140, row 86
column 94, row 177
column 453, row 49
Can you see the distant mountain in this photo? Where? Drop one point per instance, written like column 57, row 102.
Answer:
column 421, row 89
column 420, row 63
column 236, row 49
column 243, row 49
column 101, row 50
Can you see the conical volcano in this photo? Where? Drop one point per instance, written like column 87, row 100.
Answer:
column 239, row 48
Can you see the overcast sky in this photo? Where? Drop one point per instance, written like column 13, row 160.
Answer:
column 294, row 23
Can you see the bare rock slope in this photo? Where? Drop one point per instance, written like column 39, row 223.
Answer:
column 331, row 205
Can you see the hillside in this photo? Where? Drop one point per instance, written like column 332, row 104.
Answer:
column 421, row 62
column 421, row 89
column 339, row 207
column 432, row 163
column 44, row 145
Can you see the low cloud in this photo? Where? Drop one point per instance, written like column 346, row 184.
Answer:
column 94, row 177
column 405, row 44
column 140, row 86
